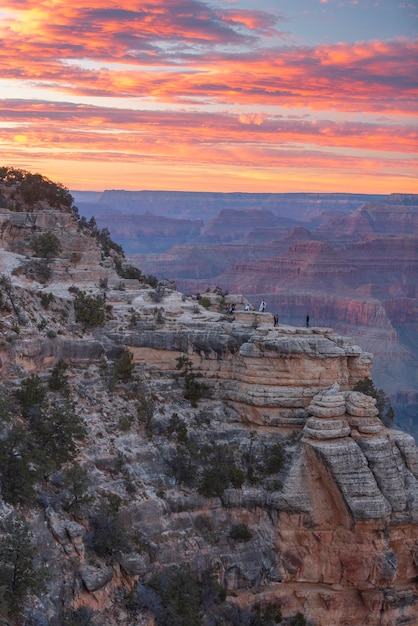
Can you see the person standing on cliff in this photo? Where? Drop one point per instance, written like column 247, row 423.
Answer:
column 307, row 321
column 262, row 306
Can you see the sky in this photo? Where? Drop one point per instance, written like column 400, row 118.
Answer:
column 212, row 95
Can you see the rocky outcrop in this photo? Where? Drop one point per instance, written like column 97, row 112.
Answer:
column 340, row 526
column 352, row 267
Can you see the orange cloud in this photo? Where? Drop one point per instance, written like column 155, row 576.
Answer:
column 202, row 87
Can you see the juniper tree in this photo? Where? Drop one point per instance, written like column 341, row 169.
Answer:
column 18, row 575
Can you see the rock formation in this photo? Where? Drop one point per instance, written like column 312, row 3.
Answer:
column 350, row 260
column 320, row 513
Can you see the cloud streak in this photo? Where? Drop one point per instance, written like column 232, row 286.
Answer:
column 193, row 82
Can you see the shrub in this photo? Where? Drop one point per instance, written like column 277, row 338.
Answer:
column 76, row 483
column 236, row 477
column 35, row 188
column 158, row 314
column 240, row 532
column 177, row 598
column 53, row 431
column 185, row 463
column 105, row 240
column 383, row 403
column 220, row 472
column 31, row 395
column 151, row 280
column 46, row 299
column 130, row 271
column 81, row 617
column 157, row 294
column 124, row 366
column 41, row 445
column 194, row 389
column 89, row 310
column 274, row 459
column 266, row 614
column 108, row 538
column 36, row 269
column 178, row 427
column 46, row 246
column 59, row 380
column 212, row 484
column 125, row 422
column 205, row 302
column 17, row 471
column 145, row 410
column 18, row 575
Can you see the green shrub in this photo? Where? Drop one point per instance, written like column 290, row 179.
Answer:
column 145, row 408
column 108, row 538
column 18, row 473
column 185, row 463
column 124, row 366
column 89, row 310
column 262, row 461
column 53, row 432
column 46, row 246
column 205, row 302
column 177, row 426
column 158, row 313
column 274, row 459
column 151, row 280
column 18, row 575
column 35, row 188
column 194, row 389
column 31, row 394
column 32, row 450
column 36, row 269
column 177, row 598
column 125, row 422
column 46, row 299
column 212, row 484
column 240, row 532
column 236, row 476
column 58, row 380
column 106, row 242
column 383, row 403
column 76, row 484
column 219, row 473
column 130, row 271
column 266, row 614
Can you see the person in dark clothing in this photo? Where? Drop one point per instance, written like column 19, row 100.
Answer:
column 307, row 321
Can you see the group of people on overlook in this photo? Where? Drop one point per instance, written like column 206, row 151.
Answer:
column 261, row 309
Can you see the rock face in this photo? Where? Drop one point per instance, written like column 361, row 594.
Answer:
column 328, row 495
column 350, row 261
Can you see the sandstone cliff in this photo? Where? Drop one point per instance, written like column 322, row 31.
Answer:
column 320, row 512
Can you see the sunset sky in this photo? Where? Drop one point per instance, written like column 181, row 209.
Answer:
column 212, row 95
